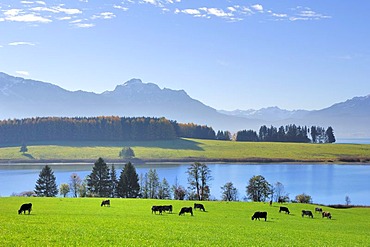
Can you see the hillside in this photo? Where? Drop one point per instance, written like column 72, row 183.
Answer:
column 188, row 150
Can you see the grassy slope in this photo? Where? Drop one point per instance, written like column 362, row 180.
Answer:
column 183, row 149
column 129, row 222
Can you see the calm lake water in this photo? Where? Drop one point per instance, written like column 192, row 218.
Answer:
column 326, row 184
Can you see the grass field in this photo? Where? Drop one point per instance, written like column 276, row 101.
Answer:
column 129, row 222
column 193, row 149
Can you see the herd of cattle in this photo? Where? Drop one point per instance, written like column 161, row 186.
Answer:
column 183, row 210
column 168, row 208
column 308, row 213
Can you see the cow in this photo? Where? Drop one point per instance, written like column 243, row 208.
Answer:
column 307, row 212
column 200, row 206
column 258, row 215
column 186, row 210
column 156, row 209
column 25, row 207
column 105, row 203
column 284, row 209
column 318, row 210
column 326, row 214
column 167, row 208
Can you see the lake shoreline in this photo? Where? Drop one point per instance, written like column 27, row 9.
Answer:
column 355, row 161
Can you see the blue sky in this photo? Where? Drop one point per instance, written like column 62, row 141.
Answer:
column 227, row 54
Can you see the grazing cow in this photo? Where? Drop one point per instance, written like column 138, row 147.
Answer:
column 258, row 215
column 307, row 212
column 318, row 210
column 186, row 210
column 284, row 209
column 156, row 209
column 200, row 206
column 167, row 208
column 25, row 207
column 326, row 214
column 105, row 203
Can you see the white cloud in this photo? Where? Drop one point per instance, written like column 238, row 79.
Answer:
column 65, row 18
column 28, row 18
column 21, row 72
column 75, row 21
column 84, row 25
column 120, row 7
column 12, row 12
column 21, row 43
column 104, row 15
column 217, row 12
column 190, row 11
column 68, row 11
column 279, row 15
column 257, row 7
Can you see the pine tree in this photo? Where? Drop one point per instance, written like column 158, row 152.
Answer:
column 114, row 182
column 128, row 184
column 99, row 182
column 330, row 135
column 46, row 183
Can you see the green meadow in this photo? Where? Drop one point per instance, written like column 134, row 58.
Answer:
column 192, row 150
column 130, row 222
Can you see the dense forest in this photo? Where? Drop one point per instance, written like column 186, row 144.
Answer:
column 19, row 131
column 112, row 128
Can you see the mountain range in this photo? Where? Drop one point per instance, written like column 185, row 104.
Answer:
column 21, row 98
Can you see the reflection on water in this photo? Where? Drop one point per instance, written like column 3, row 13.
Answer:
column 326, row 184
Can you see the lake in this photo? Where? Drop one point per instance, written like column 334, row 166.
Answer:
column 326, row 184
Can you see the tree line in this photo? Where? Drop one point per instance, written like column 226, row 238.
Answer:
column 15, row 131
column 289, row 133
column 104, row 182
column 113, row 128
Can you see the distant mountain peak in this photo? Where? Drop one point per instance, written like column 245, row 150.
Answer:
column 133, row 81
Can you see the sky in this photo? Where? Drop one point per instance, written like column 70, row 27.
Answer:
column 227, row 54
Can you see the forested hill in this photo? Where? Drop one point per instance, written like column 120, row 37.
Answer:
column 18, row 131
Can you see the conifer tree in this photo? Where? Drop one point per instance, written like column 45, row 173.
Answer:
column 114, row 182
column 128, row 184
column 46, row 183
column 99, row 182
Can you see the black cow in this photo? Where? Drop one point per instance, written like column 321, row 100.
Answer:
column 200, row 206
column 258, row 215
column 186, row 210
column 318, row 210
column 326, row 214
column 25, row 207
column 284, row 209
column 156, row 209
column 167, row 208
column 105, row 203
column 307, row 212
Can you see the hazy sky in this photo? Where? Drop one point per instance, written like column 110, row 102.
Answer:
column 227, row 54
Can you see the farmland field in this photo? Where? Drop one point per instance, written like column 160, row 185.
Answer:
column 191, row 150
column 130, row 222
